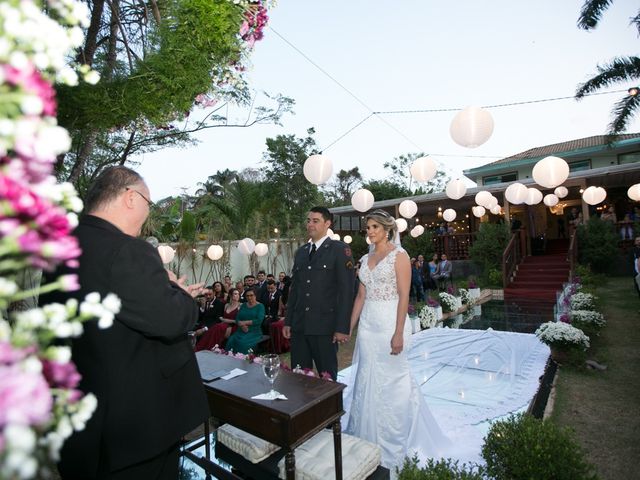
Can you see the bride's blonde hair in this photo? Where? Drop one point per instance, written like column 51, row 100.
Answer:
column 385, row 220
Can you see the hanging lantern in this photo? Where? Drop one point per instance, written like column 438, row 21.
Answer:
column 449, row 214
column 471, row 127
column 561, row 192
column 456, row 189
column 414, row 233
column 550, row 200
column 362, row 200
column 478, row 211
column 423, row 169
column 215, row 252
column 317, row 169
column 166, row 253
column 594, row 195
column 261, row 249
column 483, row 197
column 496, row 210
column 634, row 192
column 550, row 172
column 419, row 229
column 347, row 239
column 516, row 193
column 534, row 196
column 493, row 201
column 335, row 236
column 402, row 224
column 246, row 246
column 408, row 208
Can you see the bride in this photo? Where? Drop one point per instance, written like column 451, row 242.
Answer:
column 387, row 406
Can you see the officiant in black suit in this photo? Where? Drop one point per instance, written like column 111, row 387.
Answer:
column 320, row 297
column 142, row 369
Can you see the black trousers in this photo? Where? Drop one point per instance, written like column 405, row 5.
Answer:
column 319, row 349
column 161, row 467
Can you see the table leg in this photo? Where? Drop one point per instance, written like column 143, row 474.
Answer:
column 290, row 465
column 337, row 448
column 207, row 441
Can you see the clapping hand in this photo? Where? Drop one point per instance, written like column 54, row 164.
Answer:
column 194, row 289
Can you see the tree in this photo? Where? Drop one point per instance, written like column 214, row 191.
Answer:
column 422, row 245
column 489, row 245
column 400, row 168
column 386, row 189
column 620, row 69
column 597, row 245
column 216, row 185
column 339, row 191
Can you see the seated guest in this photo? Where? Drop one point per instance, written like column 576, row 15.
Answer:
column 271, row 304
column 416, row 282
column 443, row 272
column 218, row 334
column 249, row 321
column 207, row 315
column 249, row 284
column 220, row 292
column 228, row 284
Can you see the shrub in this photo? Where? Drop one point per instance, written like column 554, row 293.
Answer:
column 495, row 278
column 489, row 245
column 597, row 245
column 524, row 447
column 443, row 469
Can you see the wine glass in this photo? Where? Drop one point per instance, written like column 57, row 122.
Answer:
column 270, row 368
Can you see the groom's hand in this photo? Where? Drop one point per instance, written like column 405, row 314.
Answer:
column 340, row 337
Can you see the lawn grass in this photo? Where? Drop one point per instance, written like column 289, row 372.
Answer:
column 603, row 407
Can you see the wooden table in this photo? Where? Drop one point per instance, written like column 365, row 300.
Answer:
column 312, row 404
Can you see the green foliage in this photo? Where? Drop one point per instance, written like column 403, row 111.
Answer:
column 597, row 245
column 386, row 189
column 422, row 245
column 494, row 277
column 359, row 246
column 524, row 447
column 339, row 191
column 489, row 245
column 443, row 469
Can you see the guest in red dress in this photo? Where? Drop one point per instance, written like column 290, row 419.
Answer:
column 218, row 333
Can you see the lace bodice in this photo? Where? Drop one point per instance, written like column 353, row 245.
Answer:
column 380, row 282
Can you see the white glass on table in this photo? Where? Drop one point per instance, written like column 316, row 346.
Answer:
column 271, row 368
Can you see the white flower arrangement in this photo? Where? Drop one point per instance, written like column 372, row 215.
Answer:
column 582, row 301
column 428, row 317
column 449, row 302
column 562, row 335
column 588, row 317
column 466, row 297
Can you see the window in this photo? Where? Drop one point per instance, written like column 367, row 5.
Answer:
column 502, row 178
column 629, row 158
column 580, row 166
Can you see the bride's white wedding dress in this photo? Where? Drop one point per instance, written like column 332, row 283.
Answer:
column 387, row 407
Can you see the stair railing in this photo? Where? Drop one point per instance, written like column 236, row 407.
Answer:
column 572, row 254
column 511, row 257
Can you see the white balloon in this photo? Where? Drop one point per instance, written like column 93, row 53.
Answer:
column 215, row 252
column 402, row 224
column 261, row 249
column 471, row 127
column 456, row 189
column 550, row 172
column 423, row 169
column 534, row 196
column 362, row 200
column 550, row 200
column 634, row 192
column 166, row 253
column 561, row 192
column 246, row 246
column 449, row 214
column 478, row 211
column 408, row 208
column 496, row 209
column 483, row 197
column 516, row 193
column 317, row 169
column 347, row 239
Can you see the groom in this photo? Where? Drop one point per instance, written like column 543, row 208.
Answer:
column 320, row 297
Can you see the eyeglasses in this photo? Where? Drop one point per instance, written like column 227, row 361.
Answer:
column 149, row 202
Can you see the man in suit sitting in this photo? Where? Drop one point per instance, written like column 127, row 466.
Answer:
column 443, row 272
column 271, row 302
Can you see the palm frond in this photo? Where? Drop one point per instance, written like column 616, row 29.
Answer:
column 623, row 111
column 618, row 70
column 591, row 13
column 636, row 21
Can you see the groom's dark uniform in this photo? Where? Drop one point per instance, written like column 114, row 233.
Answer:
column 319, row 304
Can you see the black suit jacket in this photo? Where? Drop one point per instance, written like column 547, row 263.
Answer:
column 272, row 306
column 321, row 293
column 142, row 369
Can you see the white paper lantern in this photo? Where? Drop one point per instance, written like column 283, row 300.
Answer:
column 496, row 209
column 408, row 208
column 594, row 195
column 534, row 196
column 317, row 169
column 423, row 169
column 419, row 229
column 329, row 232
column 493, row 201
column 414, row 233
column 261, row 249
column 335, row 236
column 456, row 189
column 634, row 192
column 362, row 200
column 478, row 211
column 550, row 200
column 561, row 192
column 166, row 253
column 516, row 193
column 471, row 127
column 402, row 224
column 483, row 197
column 215, row 252
column 347, row 239
column 550, row 172
column 246, row 246
column 449, row 214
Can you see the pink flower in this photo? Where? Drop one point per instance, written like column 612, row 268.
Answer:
column 61, row 375
column 24, row 397
column 69, row 283
column 244, row 28
column 30, row 81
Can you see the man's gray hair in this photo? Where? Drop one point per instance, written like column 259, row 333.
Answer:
column 108, row 185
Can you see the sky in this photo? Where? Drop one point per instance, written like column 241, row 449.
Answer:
column 413, row 55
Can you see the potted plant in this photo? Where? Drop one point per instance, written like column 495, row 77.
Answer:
column 588, row 321
column 449, row 302
column 563, row 339
column 428, row 317
column 436, row 306
column 474, row 290
column 582, row 301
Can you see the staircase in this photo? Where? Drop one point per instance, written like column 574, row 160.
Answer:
column 540, row 277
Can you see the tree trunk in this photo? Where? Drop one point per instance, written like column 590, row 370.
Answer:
column 91, row 41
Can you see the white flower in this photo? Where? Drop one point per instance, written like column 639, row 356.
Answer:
column 56, row 313
column 428, row 317
column 54, row 441
column 72, row 218
column 31, row 365
column 63, row 330
column 93, row 298
column 589, row 317
column 64, row 427
column 68, row 76
column 7, row 126
column 582, row 301
column 105, row 320
column 7, row 287
column 20, row 437
column 92, row 77
column 5, row 330
column 76, row 37
column 18, row 60
column 112, row 303
column 52, row 141
column 59, row 354
column 31, row 105
column 562, row 335
column 31, row 318
column 19, row 465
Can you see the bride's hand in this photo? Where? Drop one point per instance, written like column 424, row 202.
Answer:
column 397, row 343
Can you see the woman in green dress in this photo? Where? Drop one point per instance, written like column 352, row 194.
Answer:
column 249, row 321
